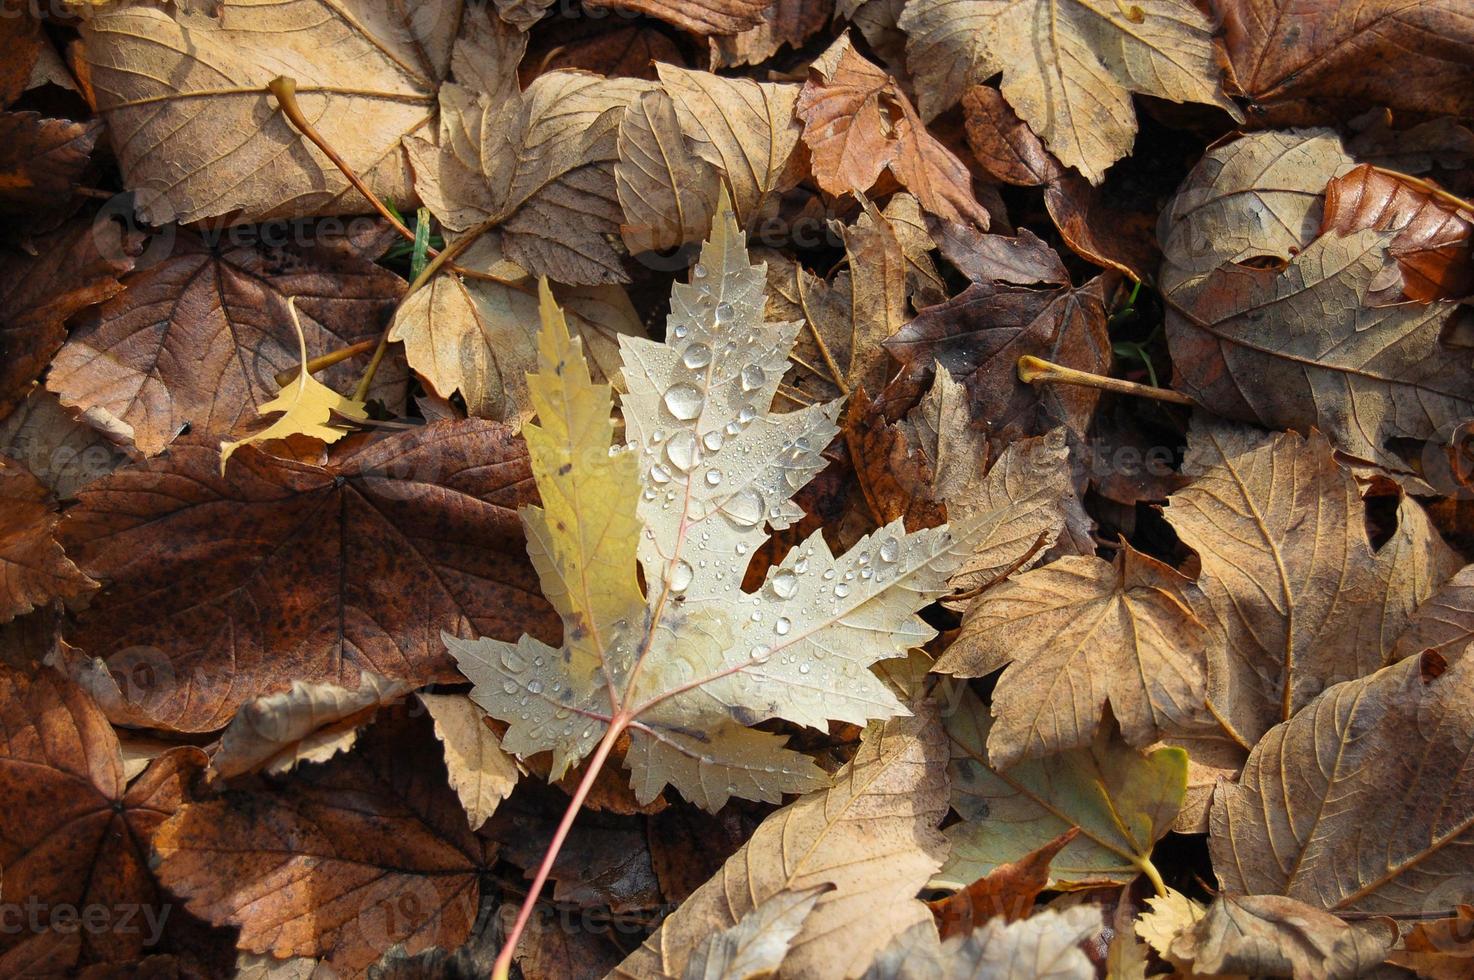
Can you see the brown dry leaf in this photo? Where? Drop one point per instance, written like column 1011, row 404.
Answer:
column 1112, row 224
column 756, row 946
column 1003, row 143
column 57, row 445
column 1068, row 68
column 480, row 772
column 342, row 860
column 71, row 269
column 477, row 336
column 73, row 833
column 22, row 41
column 1294, row 344
column 1442, row 949
column 1007, row 892
column 198, row 338
column 276, row 733
column 857, row 123
column 1077, row 634
column 667, row 192
column 872, row 836
column 1444, row 623
column 183, row 91
column 700, row 17
column 1025, row 260
column 619, row 52
column 41, row 162
column 299, row 570
column 789, row 22
column 745, row 129
column 33, row 569
column 1044, row 947
column 1381, row 822
column 1432, row 246
column 552, row 948
column 1300, row 61
column 1297, row 597
column 1274, row 936
column 980, row 334
column 533, row 168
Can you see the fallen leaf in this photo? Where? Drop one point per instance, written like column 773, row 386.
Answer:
column 297, row 570
column 480, row 772
column 1068, row 69
column 697, row 416
column 1273, row 936
column 1444, row 623
column 57, row 445
column 700, row 17
column 72, row 268
column 871, row 836
column 1007, row 892
column 1381, row 825
column 667, row 192
column 619, row 52
column 1078, row 634
column 33, row 569
column 552, row 950
column 1168, row 915
column 1300, row 61
column 1297, row 597
column 184, row 94
column 341, row 861
column 276, row 733
column 785, row 22
column 1122, row 801
column 22, row 41
column 1431, row 248
column 1024, row 261
column 41, row 162
column 757, row 945
column 197, row 339
column 73, row 834
column 688, row 846
column 1003, row 144
column 1044, row 947
column 1441, row 949
column 746, row 129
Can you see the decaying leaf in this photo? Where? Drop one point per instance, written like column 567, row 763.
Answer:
column 341, row 861
column 1044, row 947
column 1376, row 820
column 183, row 90
column 1274, row 936
column 1122, row 801
column 1444, row 623
column 756, row 946
column 74, row 834
column 687, row 666
column 700, row 17
column 1069, row 67
column 197, row 339
column 33, row 569
column 1007, row 892
column 41, row 162
column 871, row 836
column 1442, row 949
column 228, row 587
column 785, row 22
column 60, row 449
column 480, row 772
column 1079, row 633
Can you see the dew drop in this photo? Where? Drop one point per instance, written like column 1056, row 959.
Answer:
column 803, row 668
column 781, row 626
column 724, row 312
column 741, row 548
column 649, row 494
column 699, row 271
column 802, row 565
column 760, row 652
column 510, row 687
column 712, row 440
column 535, row 687
column 513, row 660
column 682, row 451
column 746, row 414
column 784, row 583
column 680, row 332
column 697, row 356
column 841, row 589
column 657, row 437
column 890, row 549
column 659, row 473
column 828, row 574
column 745, row 508
column 713, row 477
column 683, row 401
column 753, row 377
column 864, row 558
column 680, row 576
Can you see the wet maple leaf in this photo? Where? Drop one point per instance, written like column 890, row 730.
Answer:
column 690, row 662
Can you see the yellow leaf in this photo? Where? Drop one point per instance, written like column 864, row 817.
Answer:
column 307, row 406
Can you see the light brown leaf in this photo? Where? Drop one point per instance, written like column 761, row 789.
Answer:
column 1274, row 936
column 1003, row 143
column 197, row 339
column 872, row 836
column 1378, row 818
column 57, row 445
column 700, row 17
column 33, row 569
column 756, row 946
column 667, row 192
column 1297, row 598
column 1044, row 947
column 480, row 772
column 1068, row 69
column 295, row 570
column 785, row 22
column 1078, row 634
column 1444, row 623
column 1442, row 949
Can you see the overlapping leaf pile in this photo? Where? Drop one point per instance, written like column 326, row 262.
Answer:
column 724, row 488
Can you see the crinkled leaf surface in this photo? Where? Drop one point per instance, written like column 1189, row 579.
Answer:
column 1046, row 946
column 708, row 466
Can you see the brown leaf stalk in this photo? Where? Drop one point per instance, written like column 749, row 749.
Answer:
column 1035, row 370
